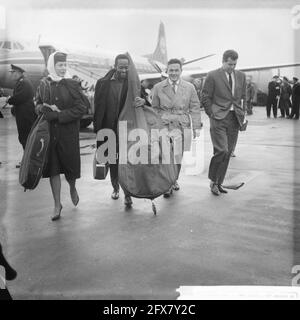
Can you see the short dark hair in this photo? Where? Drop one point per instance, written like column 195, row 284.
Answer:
column 230, row 54
column 174, row 60
column 119, row 57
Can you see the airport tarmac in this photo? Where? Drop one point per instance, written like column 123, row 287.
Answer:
column 99, row 250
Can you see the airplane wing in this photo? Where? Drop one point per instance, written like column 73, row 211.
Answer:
column 278, row 66
column 198, row 73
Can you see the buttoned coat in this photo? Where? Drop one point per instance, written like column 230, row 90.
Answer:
column 175, row 109
column 64, row 132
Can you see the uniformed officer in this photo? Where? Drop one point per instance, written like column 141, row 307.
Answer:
column 23, row 105
column 295, row 99
column 273, row 96
column 250, row 94
column 285, row 94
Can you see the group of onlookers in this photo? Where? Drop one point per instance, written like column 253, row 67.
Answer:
column 284, row 95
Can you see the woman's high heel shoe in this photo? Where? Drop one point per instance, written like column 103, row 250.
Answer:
column 74, row 197
column 57, row 216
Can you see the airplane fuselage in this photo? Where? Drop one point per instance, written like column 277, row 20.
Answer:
column 87, row 67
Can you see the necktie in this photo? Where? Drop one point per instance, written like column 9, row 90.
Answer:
column 230, row 81
column 174, row 86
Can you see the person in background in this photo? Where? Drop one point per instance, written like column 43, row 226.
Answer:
column 285, row 94
column 60, row 100
column 23, row 106
column 295, row 99
column 273, row 96
column 145, row 92
column 250, row 94
column 1, row 95
column 197, row 84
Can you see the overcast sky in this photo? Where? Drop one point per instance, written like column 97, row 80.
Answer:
column 261, row 36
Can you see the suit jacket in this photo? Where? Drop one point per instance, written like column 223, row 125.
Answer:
column 175, row 108
column 217, row 97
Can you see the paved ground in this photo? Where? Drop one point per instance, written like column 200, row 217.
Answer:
column 101, row 251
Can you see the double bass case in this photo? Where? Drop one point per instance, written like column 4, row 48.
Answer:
column 143, row 180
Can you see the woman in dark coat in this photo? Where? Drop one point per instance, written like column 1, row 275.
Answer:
column 60, row 101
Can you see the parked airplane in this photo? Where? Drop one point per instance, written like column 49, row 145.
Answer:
column 93, row 65
column 89, row 66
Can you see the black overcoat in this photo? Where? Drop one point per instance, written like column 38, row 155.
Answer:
column 64, row 132
column 23, row 108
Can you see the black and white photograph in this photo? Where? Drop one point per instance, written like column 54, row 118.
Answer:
column 149, row 150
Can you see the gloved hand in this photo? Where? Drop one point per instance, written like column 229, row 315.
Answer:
column 44, row 109
column 50, row 115
column 139, row 102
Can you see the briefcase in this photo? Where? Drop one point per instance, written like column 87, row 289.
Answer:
column 100, row 170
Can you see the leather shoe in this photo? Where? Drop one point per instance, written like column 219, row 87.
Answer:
column 57, row 215
column 10, row 274
column 128, row 201
column 221, row 189
column 74, row 197
column 168, row 193
column 214, row 189
column 176, row 186
column 115, row 195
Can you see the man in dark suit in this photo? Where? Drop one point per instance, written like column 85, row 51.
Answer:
column 295, row 99
column 223, row 98
column 273, row 96
column 285, row 95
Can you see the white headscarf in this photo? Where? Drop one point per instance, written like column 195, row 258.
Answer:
column 50, row 67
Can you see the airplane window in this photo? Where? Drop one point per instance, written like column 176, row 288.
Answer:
column 6, row 45
column 15, row 46
column 20, row 46
column 1, row 44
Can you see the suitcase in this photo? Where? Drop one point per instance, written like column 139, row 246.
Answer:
column 100, row 170
column 35, row 154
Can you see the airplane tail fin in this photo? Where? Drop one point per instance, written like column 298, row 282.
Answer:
column 46, row 51
column 160, row 52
